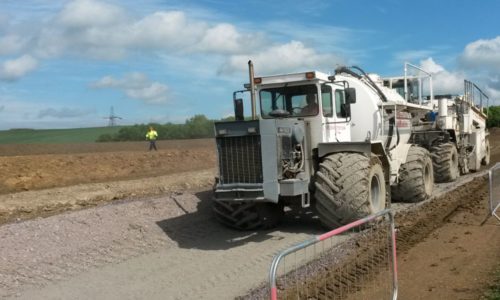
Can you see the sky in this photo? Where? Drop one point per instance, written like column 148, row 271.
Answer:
column 65, row 63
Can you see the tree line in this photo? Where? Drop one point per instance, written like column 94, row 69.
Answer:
column 493, row 117
column 195, row 127
column 200, row 126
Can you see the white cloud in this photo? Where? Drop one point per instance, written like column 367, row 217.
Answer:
column 443, row 81
column 64, row 113
column 11, row 44
column 19, row 113
column 452, row 82
column 225, row 38
column 137, row 86
column 482, row 54
column 90, row 13
column 492, row 89
column 14, row 69
column 154, row 93
column 4, row 20
column 494, row 95
column 293, row 56
column 412, row 55
column 165, row 30
column 105, row 31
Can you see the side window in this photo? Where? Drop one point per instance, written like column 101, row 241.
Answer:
column 340, row 104
column 326, row 101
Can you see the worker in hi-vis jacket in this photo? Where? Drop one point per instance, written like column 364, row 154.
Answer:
column 151, row 137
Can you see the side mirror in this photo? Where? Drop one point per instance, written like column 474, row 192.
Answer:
column 238, row 110
column 350, row 95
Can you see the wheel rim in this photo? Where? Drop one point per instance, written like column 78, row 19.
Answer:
column 375, row 192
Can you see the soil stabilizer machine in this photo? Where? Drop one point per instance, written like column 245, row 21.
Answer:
column 342, row 143
column 454, row 132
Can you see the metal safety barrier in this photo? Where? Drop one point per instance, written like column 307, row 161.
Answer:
column 361, row 264
column 494, row 178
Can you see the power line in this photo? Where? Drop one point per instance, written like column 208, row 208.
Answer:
column 112, row 117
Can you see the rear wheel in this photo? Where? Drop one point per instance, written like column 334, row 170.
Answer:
column 486, row 159
column 248, row 215
column 349, row 186
column 416, row 178
column 445, row 162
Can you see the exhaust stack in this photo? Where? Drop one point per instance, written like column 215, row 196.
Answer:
column 252, row 90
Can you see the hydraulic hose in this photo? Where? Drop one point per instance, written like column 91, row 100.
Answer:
column 397, row 139
column 390, row 133
column 348, row 70
column 392, row 124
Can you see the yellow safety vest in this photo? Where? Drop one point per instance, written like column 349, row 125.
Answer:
column 152, row 135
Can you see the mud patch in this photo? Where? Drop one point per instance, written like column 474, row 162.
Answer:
column 363, row 254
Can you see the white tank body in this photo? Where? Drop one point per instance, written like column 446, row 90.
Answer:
column 366, row 118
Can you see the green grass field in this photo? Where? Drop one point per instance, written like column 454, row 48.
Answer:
column 494, row 292
column 54, row 136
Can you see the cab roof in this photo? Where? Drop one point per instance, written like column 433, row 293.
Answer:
column 293, row 77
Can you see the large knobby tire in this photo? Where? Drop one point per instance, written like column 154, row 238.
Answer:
column 349, row 186
column 486, row 159
column 248, row 215
column 416, row 178
column 445, row 162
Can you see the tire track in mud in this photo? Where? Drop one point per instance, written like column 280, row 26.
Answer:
column 362, row 258
column 416, row 224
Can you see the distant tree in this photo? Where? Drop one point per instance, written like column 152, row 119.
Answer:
column 230, row 118
column 493, row 116
column 199, row 127
column 131, row 133
column 105, row 138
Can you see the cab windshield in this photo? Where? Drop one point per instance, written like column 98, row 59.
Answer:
column 289, row 101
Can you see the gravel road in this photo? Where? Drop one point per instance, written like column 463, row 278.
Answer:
column 166, row 247
column 157, row 248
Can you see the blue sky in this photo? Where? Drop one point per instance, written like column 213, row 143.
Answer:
column 64, row 63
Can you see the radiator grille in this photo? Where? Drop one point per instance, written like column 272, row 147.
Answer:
column 240, row 159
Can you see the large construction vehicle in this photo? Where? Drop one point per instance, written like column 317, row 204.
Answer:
column 454, row 131
column 340, row 142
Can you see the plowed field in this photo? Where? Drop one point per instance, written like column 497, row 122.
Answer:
column 33, row 167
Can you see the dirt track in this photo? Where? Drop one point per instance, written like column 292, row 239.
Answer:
column 169, row 246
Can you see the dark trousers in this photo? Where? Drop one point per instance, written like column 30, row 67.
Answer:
column 152, row 145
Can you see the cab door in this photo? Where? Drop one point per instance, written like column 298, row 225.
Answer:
column 336, row 119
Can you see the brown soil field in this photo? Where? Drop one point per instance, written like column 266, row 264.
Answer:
column 33, row 167
column 447, row 251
